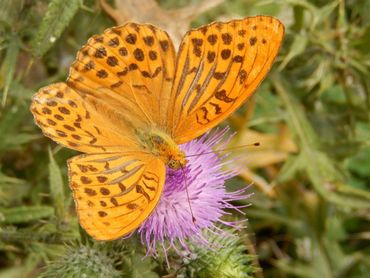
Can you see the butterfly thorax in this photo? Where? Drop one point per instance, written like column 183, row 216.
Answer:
column 162, row 145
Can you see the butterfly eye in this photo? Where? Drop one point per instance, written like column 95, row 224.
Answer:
column 173, row 164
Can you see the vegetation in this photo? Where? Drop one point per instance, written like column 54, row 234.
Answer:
column 309, row 213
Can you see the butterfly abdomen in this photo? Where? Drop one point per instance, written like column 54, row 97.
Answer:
column 163, row 146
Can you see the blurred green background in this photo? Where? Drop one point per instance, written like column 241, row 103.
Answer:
column 310, row 178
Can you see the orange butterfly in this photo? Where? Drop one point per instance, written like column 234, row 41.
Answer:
column 129, row 102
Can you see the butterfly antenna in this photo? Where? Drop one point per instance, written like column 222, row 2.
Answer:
column 187, row 194
column 256, row 144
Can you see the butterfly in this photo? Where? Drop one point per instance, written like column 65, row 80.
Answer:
column 129, row 102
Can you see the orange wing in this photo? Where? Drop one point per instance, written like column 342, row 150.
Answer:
column 116, row 192
column 218, row 67
column 65, row 117
column 120, row 83
column 131, row 69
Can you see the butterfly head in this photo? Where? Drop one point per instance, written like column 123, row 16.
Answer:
column 178, row 162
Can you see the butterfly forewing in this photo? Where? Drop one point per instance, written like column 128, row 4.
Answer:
column 115, row 192
column 129, row 68
column 65, row 117
column 218, row 67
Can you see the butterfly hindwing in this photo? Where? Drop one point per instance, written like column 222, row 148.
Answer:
column 218, row 67
column 115, row 192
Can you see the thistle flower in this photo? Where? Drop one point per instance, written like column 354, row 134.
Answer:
column 100, row 259
column 232, row 259
column 194, row 198
column 85, row 261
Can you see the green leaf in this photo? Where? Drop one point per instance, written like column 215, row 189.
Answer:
column 318, row 267
column 57, row 17
column 11, row 235
column 360, row 163
column 11, row 189
column 273, row 217
column 141, row 268
column 323, row 13
column 56, row 188
column 291, row 166
column 11, row 136
column 298, row 46
column 8, row 67
column 25, row 214
column 10, row 10
column 320, row 169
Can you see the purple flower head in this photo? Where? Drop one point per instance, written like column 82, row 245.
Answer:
column 194, row 198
